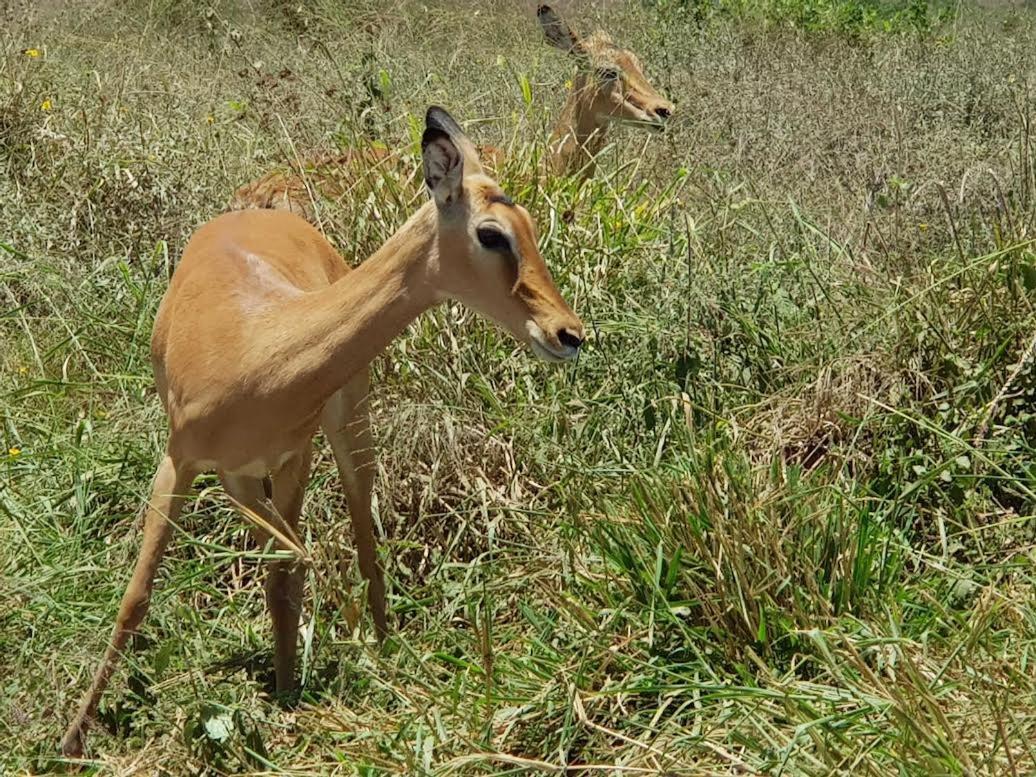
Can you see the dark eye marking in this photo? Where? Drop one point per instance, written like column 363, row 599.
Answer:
column 608, row 74
column 501, row 198
column 493, row 239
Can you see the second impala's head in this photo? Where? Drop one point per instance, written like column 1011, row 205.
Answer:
column 488, row 258
column 611, row 85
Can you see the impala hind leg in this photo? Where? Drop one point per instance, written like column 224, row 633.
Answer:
column 171, row 482
column 346, row 424
column 284, row 579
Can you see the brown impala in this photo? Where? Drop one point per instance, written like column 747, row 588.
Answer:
column 266, row 335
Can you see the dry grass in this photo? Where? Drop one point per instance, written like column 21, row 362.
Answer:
column 778, row 519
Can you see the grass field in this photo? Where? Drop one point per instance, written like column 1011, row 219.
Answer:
column 777, row 520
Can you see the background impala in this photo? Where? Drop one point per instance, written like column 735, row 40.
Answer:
column 609, row 88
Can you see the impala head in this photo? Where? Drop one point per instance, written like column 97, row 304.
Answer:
column 611, row 81
column 488, row 257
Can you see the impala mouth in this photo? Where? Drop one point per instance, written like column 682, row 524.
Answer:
column 637, row 117
column 654, row 125
column 545, row 350
column 553, row 355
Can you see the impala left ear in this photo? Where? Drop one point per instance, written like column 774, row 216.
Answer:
column 438, row 118
column 558, row 33
column 443, row 165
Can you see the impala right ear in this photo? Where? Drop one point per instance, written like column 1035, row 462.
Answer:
column 558, row 33
column 443, row 166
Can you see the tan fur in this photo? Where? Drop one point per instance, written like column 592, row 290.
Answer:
column 578, row 136
column 265, row 334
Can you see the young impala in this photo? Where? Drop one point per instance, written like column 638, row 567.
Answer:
column 265, row 334
column 610, row 86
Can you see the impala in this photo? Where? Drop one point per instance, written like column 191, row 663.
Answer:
column 609, row 87
column 265, row 334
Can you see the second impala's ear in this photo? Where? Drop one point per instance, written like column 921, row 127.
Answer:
column 443, row 166
column 558, row 33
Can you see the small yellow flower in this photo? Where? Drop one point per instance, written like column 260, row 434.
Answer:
column 46, row 105
column 569, row 84
column 32, row 53
column 923, row 227
column 14, row 453
column 23, row 370
column 210, row 119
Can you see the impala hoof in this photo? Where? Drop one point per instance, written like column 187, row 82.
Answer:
column 72, row 743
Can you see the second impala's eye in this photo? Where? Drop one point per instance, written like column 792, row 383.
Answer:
column 493, row 239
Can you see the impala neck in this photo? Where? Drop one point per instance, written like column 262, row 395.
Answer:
column 577, row 136
column 338, row 331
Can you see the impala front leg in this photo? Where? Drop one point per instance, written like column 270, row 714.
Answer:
column 346, row 424
column 171, row 481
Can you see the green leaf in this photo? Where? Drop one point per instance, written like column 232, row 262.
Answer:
column 219, row 727
column 163, row 656
column 526, row 87
column 1028, row 276
column 416, row 127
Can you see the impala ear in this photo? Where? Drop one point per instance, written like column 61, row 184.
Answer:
column 558, row 33
column 438, row 118
column 443, row 164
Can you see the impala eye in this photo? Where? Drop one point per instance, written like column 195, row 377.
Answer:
column 493, row 239
column 608, row 74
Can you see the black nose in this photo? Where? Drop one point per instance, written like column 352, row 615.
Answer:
column 663, row 113
column 569, row 339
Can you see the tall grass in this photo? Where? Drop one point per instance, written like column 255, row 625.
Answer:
column 778, row 518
